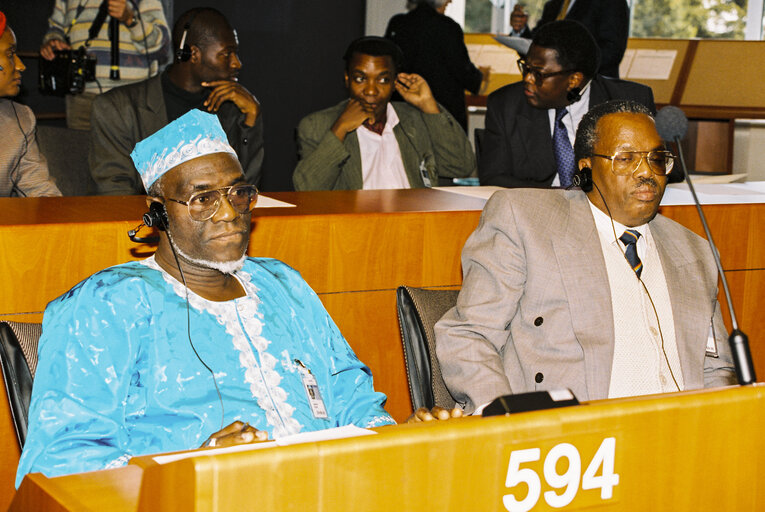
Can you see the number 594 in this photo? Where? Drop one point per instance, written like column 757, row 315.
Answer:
column 568, row 481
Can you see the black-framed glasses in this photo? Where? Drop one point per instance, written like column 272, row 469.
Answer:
column 625, row 163
column 203, row 205
column 539, row 77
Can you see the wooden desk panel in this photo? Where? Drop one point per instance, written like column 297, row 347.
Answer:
column 698, row 451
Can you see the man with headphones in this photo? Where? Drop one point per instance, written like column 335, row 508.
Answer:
column 587, row 289
column 204, row 76
column 195, row 345
column 23, row 169
column 530, row 125
column 369, row 142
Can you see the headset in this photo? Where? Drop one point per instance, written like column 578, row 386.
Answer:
column 575, row 94
column 156, row 217
column 583, row 179
column 183, row 53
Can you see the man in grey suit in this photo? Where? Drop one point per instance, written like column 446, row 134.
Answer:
column 203, row 76
column 560, row 84
column 368, row 142
column 589, row 291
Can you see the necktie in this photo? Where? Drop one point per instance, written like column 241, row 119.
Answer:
column 629, row 238
column 563, row 10
column 564, row 153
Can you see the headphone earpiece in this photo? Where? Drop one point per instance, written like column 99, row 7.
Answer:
column 156, row 216
column 574, row 95
column 183, row 53
column 583, row 179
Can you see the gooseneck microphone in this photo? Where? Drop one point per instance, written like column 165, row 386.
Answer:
column 672, row 124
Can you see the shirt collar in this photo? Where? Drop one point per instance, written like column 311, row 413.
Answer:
column 606, row 229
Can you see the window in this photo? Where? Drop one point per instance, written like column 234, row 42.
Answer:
column 682, row 19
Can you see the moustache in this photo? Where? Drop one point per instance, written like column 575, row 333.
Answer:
column 647, row 182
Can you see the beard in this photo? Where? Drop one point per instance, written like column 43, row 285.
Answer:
column 224, row 267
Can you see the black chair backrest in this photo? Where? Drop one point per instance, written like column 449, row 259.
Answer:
column 18, row 358
column 418, row 311
column 66, row 151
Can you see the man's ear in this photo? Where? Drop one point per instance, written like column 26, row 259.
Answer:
column 196, row 54
column 152, row 199
column 347, row 81
column 585, row 162
column 575, row 80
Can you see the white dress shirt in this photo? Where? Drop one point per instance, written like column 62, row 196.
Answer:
column 381, row 163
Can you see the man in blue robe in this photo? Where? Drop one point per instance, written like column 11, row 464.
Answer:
column 195, row 345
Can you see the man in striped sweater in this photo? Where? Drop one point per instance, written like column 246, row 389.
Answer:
column 144, row 42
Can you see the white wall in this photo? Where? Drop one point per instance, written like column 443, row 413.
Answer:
column 378, row 14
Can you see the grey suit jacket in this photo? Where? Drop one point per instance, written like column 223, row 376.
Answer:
column 436, row 140
column 535, row 307
column 517, row 148
column 23, row 169
column 126, row 115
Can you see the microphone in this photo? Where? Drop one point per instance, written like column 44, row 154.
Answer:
column 133, row 236
column 672, row 124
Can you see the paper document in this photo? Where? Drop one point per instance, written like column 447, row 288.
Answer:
column 500, row 59
column 650, row 64
column 303, row 437
column 712, row 193
column 270, row 202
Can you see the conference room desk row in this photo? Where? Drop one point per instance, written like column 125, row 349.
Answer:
column 698, row 450
column 354, row 248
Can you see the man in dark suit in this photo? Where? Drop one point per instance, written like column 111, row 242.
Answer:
column 203, row 76
column 607, row 20
column 559, row 86
column 519, row 20
column 434, row 48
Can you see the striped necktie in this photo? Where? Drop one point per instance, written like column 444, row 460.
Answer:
column 629, row 238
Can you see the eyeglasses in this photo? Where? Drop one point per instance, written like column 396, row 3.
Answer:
column 624, row 163
column 539, row 77
column 203, row 205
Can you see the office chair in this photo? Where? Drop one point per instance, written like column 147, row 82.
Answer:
column 418, row 311
column 18, row 358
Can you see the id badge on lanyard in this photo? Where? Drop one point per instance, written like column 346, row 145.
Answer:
column 312, row 391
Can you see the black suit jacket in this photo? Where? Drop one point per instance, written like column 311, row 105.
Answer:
column 434, row 48
column 607, row 20
column 517, row 147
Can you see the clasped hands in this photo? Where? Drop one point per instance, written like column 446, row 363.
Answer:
column 236, row 433
column 233, row 91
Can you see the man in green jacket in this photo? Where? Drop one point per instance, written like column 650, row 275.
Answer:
column 369, row 142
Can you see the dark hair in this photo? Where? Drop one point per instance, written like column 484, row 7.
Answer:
column 573, row 43
column 586, row 134
column 205, row 25
column 377, row 47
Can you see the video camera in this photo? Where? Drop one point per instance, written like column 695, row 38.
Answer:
column 67, row 73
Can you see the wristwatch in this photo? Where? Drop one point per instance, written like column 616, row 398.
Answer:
column 134, row 21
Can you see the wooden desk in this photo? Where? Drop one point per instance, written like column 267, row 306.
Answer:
column 700, row 451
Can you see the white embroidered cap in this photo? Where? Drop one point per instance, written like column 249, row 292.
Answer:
column 192, row 135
